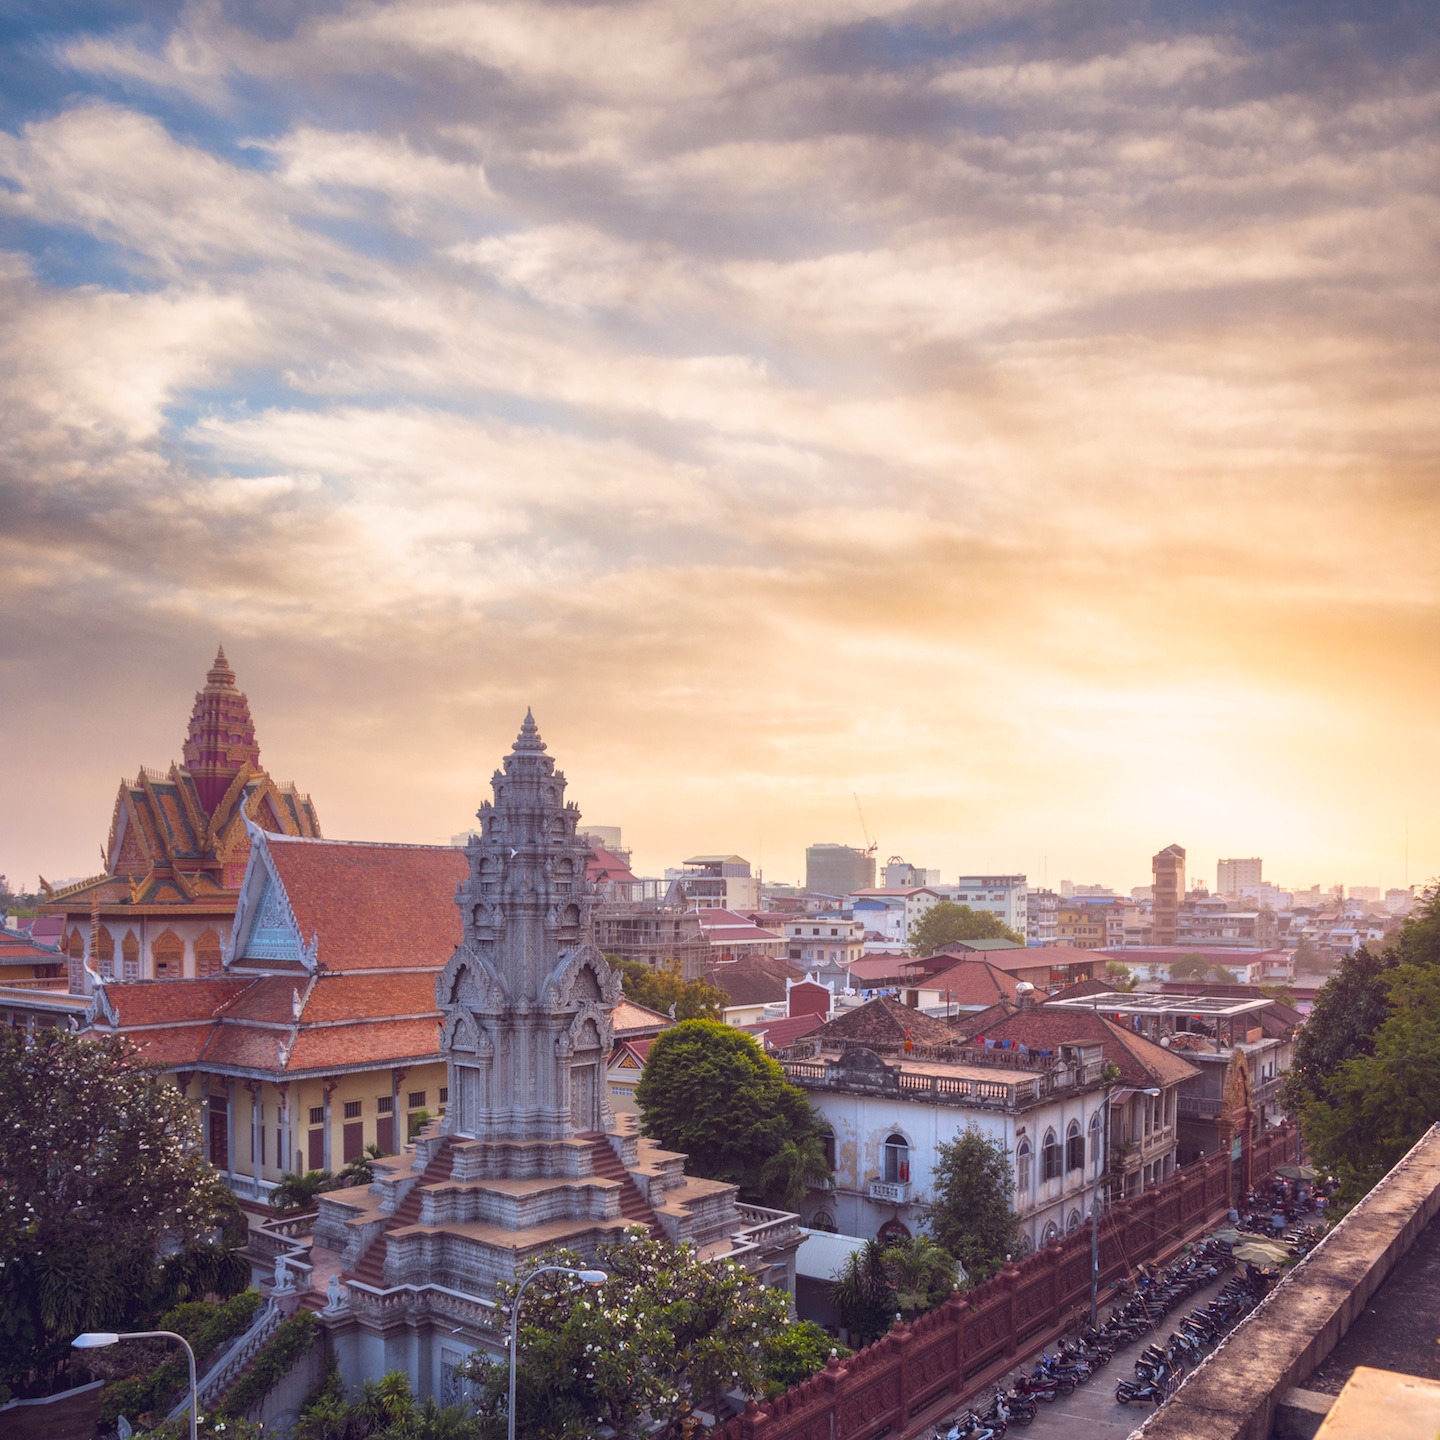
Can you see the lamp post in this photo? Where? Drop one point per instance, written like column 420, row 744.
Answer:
column 98, row 1339
column 1111, row 1095
column 590, row 1277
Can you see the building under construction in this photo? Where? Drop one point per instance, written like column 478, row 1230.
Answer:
column 652, row 932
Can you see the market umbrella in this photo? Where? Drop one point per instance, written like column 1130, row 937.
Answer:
column 1232, row 1237
column 1261, row 1252
column 1297, row 1172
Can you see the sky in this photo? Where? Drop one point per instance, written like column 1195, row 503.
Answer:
column 1017, row 415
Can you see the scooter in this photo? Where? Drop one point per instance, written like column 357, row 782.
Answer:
column 1156, row 1390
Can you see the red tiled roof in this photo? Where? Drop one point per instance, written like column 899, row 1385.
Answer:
column 373, row 907
column 630, row 1019
column 754, row 979
column 19, row 951
column 885, row 1021
column 353, row 997
column 604, row 866
column 780, row 1033
column 172, row 1048
column 139, row 1003
column 1043, row 1027
column 1036, row 957
column 870, row 970
column 377, row 1043
column 973, row 982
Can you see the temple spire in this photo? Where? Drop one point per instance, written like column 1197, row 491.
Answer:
column 221, row 739
column 528, row 740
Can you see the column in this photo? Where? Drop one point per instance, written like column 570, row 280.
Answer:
column 282, row 1126
column 328, row 1088
column 397, row 1078
column 205, row 1112
column 230, row 1130
column 257, row 1128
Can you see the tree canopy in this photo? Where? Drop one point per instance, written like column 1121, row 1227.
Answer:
column 1197, row 967
column 109, row 1213
column 711, row 1092
column 970, row 1212
column 1366, row 1078
column 661, row 989
column 946, row 922
column 902, row 1277
column 666, row 1330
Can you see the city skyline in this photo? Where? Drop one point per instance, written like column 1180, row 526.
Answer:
column 1019, row 417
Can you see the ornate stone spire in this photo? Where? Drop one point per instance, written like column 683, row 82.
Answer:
column 221, row 740
column 527, row 996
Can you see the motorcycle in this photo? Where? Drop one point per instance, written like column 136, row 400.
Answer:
column 1156, row 1390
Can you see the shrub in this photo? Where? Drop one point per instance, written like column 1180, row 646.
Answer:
column 274, row 1362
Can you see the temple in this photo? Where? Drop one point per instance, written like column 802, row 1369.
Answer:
column 529, row 1154
column 163, row 907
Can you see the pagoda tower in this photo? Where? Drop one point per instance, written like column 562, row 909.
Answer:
column 221, row 741
column 527, row 996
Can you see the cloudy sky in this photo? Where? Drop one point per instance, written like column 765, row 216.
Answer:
column 1020, row 414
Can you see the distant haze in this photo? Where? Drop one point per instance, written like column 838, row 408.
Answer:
column 1022, row 416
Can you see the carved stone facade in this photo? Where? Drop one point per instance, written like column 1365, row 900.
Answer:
column 527, row 996
column 529, row 1154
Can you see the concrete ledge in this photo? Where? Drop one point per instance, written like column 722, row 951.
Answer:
column 1299, row 1413
column 1235, row 1394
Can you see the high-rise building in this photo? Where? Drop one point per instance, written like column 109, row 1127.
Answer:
column 1232, row 876
column 838, row 869
column 1167, row 870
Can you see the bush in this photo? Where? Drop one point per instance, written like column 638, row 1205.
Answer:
column 274, row 1362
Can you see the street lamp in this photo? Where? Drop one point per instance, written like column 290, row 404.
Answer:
column 590, row 1277
column 98, row 1339
column 1111, row 1095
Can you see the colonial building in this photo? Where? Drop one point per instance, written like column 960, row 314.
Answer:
column 179, row 843
column 530, row 1154
column 320, row 1034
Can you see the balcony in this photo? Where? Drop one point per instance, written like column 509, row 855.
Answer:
column 1199, row 1107
column 891, row 1192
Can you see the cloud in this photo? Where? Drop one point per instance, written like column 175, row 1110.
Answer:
column 1023, row 421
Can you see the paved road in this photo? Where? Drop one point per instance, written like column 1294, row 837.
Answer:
column 1090, row 1412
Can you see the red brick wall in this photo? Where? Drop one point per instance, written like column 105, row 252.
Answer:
column 899, row 1384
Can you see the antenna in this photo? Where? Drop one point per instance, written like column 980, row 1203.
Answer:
column 871, row 846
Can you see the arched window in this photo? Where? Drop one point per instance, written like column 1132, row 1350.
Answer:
column 1051, row 1158
column 1027, row 1245
column 824, row 1220
column 130, row 956
column 896, row 1160
column 75, row 946
column 1052, row 1232
column 168, row 956
column 1097, row 1139
column 1073, row 1222
column 1022, row 1169
column 105, row 954
column 1074, row 1147
column 827, row 1142
column 207, row 954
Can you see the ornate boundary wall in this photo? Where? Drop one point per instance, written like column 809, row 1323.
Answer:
column 898, row 1385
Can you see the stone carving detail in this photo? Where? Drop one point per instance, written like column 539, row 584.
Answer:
column 527, row 994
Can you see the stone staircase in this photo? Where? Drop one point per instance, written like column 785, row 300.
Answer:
column 633, row 1205
column 217, row 1381
column 370, row 1268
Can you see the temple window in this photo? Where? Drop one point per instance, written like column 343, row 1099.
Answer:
column 207, row 954
column 168, row 956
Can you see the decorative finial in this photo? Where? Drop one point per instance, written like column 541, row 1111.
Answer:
column 220, row 674
column 528, row 740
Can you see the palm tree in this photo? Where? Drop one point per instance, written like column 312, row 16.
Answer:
column 794, row 1168
column 864, row 1293
column 924, row 1273
column 298, row 1192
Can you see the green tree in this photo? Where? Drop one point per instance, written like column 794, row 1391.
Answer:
column 946, row 922
column 1350, row 1008
column 667, row 987
column 970, row 1214
column 666, row 1330
column 1197, row 967
column 298, row 1192
column 108, row 1210
column 924, row 1273
column 1308, row 959
column 712, row 1093
column 1119, row 976
column 864, row 1293
column 796, row 1353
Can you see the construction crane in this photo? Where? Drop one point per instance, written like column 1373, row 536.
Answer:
column 871, row 846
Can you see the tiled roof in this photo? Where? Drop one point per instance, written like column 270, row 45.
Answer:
column 754, row 979
column 373, row 906
column 885, row 1021
column 779, row 1033
column 174, row 1047
column 378, row 1043
column 630, row 1019
column 1043, row 1027
column 17, row 950
column 973, row 982
column 871, row 970
column 139, row 1003
column 1035, row 957
column 353, row 997
column 1083, row 987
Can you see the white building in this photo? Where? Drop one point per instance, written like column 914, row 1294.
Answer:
column 889, row 913
column 899, row 873
column 715, row 882
column 1233, row 876
column 1041, row 922
column 888, row 1111
column 819, row 939
column 1003, row 895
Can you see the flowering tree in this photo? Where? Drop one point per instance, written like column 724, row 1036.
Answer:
column 665, row 1331
column 108, row 1211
